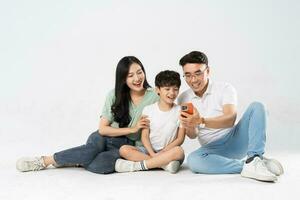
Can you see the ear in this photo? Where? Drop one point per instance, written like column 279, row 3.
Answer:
column 208, row 70
column 157, row 90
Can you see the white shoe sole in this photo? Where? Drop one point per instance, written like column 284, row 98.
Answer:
column 255, row 176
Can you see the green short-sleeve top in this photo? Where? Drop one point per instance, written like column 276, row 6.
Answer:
column 135, row 111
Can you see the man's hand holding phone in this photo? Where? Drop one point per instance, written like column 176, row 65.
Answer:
column 189, row 116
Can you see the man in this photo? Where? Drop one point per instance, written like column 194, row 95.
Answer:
column 223, row 144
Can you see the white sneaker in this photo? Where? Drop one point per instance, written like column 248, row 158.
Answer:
column 257, row 169
column 124, row 165
column 26, row 164
column 172, row 166
column 273, row 166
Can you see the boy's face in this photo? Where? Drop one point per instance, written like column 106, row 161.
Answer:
column 168, row 94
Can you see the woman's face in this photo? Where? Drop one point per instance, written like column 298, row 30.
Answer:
column 135, row 78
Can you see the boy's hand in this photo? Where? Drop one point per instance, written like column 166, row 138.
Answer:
column 188, row 120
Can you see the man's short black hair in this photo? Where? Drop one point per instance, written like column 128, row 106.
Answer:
column 167, row 78
column 194, row 57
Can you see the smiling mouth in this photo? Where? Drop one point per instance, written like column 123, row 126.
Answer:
column 137, row 84
column 171, row 98
column 196, row 85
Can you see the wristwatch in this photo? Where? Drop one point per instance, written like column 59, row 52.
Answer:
column 202, row 123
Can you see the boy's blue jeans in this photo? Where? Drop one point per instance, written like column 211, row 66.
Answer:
column 98, row 155
column 247, row 138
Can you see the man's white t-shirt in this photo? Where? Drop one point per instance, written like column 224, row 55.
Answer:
column 211, row 105
column 163, row 125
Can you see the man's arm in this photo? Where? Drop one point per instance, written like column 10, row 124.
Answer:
column 191, row 132
column 224, row 121
column 190, row 122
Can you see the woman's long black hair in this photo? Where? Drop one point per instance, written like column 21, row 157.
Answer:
column 120, row 108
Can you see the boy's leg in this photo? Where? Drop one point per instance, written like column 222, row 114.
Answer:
column 164, row 158
column 158, row 161
column 133, row 153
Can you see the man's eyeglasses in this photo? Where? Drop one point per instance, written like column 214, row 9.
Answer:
column 196, row 75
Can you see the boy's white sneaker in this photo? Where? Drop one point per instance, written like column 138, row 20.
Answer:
column 122, row 165
column 273, row 166
column 256, row 169
column 172, row 166
column 26, row 164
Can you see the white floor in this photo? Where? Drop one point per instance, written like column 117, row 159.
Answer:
column 76, row 183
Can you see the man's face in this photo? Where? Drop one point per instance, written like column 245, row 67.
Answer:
column 196, row 76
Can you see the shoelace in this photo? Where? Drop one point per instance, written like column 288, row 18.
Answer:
column 260, row 164
column 37, row 165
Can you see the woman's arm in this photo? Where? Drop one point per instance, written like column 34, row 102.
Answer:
column 106, row 130
column 146, row 141
column 178, row 141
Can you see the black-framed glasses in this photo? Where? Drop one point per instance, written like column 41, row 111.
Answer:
column 196, row 75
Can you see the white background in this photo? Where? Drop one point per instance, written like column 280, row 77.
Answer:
column 58, row 59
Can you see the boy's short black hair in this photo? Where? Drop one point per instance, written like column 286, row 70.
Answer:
column 194, row 57
column 167, row 78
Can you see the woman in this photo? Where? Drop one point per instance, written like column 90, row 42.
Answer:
column 120, row 124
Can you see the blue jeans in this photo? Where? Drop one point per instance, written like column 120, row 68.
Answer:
column 223, row 156
column 98, row 155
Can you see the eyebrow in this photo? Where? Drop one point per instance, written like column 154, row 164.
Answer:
column 193, row 72
column 130, row 73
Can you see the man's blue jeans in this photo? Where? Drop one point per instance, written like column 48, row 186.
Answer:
column 98, row 155
column 224, row 156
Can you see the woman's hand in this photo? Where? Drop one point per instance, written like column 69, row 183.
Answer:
column 143, row 122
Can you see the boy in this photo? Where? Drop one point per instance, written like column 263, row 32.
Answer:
column 162, row 140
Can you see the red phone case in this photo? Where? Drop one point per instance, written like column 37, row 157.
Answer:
column 189, row 109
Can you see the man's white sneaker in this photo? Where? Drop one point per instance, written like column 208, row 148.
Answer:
column 122, row 165
column 26, row 164
column 257, row 169
column 273, row 166
column 172, row 166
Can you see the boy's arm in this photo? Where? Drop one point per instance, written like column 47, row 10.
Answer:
column 178, row 141
column 146, row 141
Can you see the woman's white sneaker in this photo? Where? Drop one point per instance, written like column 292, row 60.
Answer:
column 122, row 165
column 26, row 164
column 256, row 169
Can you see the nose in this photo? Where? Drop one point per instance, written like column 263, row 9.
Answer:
column 136, row 77
column 173, row 93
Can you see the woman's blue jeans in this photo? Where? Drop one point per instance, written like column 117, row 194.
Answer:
column 98, row 155
column 223, row 156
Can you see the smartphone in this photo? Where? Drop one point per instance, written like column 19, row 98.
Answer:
column 188, row 108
